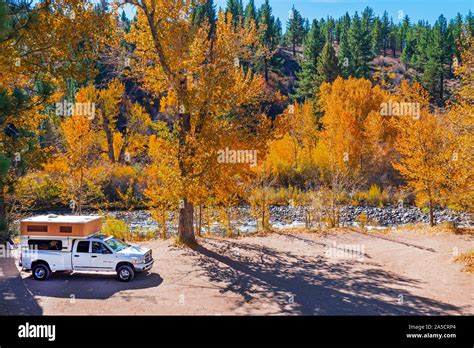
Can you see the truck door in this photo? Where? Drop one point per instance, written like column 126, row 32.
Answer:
column 81, row 258
column 101, row 257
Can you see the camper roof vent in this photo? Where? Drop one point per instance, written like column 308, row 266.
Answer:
column 52, row 216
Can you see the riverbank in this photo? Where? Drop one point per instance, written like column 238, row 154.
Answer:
column 283, row 217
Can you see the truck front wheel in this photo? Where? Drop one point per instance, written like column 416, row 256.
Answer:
column 41, row 271
column 125, row 273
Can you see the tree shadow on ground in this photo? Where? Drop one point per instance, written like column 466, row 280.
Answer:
column 397, row 241
column 310, row 285
column 15, row 299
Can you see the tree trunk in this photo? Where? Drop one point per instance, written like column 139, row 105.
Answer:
column 163, row 223
column 294, row 48
column 441, row 87
column 266, row 69
column 431, row 213
column 185, row 223
column 109, row 137
column 186, row 212
column 3, row 213
column 199, row 221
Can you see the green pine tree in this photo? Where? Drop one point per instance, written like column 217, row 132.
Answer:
column 250, row 13
column 344, row 54
column 236, row 9
column 268, row 36
column 278, row 31
column 313, row 46
column 205, row 11
column 328, row 67
column 360, row 47
column 295, row 30
column 385, row 28
column 376, row 37
column 393, row 38
column 439, row 59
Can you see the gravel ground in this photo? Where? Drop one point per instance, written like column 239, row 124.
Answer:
column 340, row 273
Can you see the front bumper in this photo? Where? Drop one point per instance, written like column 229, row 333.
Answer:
column 142, row 267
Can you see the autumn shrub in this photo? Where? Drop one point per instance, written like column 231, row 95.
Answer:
column 122, row 185
column 279, row 196
column 143, row 234
column 467, row 259
column 117, row 228
column 362, row 219
column 446, row 227
column 358, row 198
column 37, row 190
column 376, row 197
column 373, row 196
column 287, row 196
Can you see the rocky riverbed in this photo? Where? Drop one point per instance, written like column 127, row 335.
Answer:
column 289, row 216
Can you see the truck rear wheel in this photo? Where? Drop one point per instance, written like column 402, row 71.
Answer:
column 125, row 273
column 41, row 271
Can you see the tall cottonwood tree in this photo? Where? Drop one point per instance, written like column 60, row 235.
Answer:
column 424, row 149
column 206, row 90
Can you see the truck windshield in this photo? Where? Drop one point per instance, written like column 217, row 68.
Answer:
column 115, row 244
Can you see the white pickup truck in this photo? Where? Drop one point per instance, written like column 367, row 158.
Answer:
column 43, row 254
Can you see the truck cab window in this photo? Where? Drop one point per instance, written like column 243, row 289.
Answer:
column 83, row 247
column 99, row 248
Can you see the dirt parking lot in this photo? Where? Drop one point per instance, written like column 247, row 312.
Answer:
column 396, row 273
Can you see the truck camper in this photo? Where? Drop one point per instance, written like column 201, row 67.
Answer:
column 51, row 243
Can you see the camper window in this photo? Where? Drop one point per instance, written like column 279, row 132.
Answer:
column 46, row 244
column 65, row 229
column 37, row 228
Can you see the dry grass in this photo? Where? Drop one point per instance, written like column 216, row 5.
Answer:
column 468, row 259
column 444, row 227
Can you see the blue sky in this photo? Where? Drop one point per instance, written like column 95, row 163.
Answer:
column 416, row 9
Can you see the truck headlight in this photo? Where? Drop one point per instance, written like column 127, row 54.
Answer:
column 140, row 260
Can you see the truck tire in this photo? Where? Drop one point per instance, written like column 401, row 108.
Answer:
column 41, row 271
column 125, row 273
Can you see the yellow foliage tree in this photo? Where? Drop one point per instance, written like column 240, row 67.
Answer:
column 460, row 124
column 119, row 140
column 211, row 94
column 75, row 170
column 352, row 123
column 424, row 149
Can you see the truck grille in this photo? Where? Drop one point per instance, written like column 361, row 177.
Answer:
column 148, row 257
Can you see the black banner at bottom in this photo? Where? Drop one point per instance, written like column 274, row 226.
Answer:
column 453, row 331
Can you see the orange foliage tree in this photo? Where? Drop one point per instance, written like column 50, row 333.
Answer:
column 75, row 170
column 353, row 126
column 208, row 95
column 424, row 149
